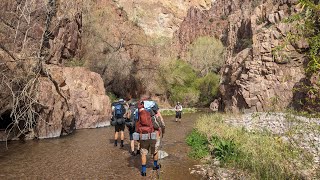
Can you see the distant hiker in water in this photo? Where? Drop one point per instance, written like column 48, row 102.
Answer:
column 118, row 120
column 178, row 109
column 132, row 117
column 148, row 138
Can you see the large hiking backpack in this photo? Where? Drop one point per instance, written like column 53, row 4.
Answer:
column 136, row 114
column 131, row 122
column 144, row 124
column 119, row 110
column 151, row 107
column 157, row 122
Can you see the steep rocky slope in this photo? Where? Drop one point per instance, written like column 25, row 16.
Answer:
column 261, row 68
column 160, row 17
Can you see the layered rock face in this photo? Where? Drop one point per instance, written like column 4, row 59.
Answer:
column 261, row 68
column 76, row 101
column 262, row 77
column 160, row 17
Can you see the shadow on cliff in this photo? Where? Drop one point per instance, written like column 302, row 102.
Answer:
column 305, row 96
column 299, row 94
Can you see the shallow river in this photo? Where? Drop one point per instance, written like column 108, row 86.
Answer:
column 90, row 154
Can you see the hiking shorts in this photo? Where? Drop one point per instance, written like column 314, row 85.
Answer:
column 131, row 131
column 178, row 114
column 118, row 128
column 151, row 144
column 146, row 145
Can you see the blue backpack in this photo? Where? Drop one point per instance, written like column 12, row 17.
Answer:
column 119, row 110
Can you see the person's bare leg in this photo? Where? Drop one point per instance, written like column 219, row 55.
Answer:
column 156, row 152
column 143, row 159
column 122, row 135
column 115, row 138
column 122, row 138
column 156, row 166
column 132, row 145
column 143, row 164
column 156, row 156
column 138, row 147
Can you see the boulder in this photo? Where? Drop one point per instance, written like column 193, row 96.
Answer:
column 77, row 101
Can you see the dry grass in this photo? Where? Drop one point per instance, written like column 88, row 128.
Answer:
column 262, row 154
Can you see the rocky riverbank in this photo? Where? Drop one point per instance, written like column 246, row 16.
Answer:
column 289, row 141
column 297, row 130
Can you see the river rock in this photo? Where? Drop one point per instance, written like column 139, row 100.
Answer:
column 163, row 154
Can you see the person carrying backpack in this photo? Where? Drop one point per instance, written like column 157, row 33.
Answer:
column 118, row 120
column 178, row 109
column 132, row 117
column 157, row 120
column 144, row 127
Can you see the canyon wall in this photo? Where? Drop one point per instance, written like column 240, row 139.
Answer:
column 40, row 97
column 262, row 68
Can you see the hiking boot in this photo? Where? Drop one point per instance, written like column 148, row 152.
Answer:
column 121, row 145
column 157, row 167
column 143, row 173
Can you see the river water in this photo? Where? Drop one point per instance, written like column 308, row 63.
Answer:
column 90, row 154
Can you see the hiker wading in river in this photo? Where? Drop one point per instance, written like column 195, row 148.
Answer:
column 148, row 136
column 118, row 120
column 178, row 109
column 131, row 118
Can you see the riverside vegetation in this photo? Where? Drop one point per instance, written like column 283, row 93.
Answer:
column 168, row 112
column 271, row 145
column 262, row 153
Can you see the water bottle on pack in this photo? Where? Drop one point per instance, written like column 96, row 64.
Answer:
column 153, row 135
column 144, row 136
column 136, row 136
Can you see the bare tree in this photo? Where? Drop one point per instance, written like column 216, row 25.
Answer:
column 26, row 29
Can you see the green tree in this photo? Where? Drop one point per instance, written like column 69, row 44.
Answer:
column 208, row 87
column 185, row 84
column 206, row 54
column 180, row 78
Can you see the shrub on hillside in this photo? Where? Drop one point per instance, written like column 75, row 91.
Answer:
column 206, row 54
column 208, row 87
column 186, row 85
